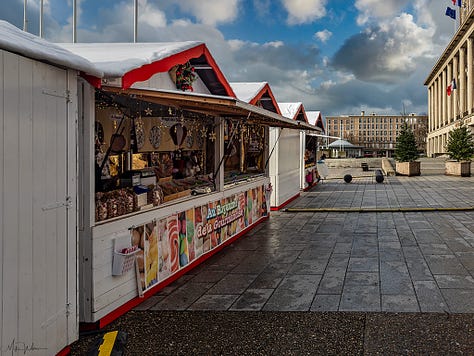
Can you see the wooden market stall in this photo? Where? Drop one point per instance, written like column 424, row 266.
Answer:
column 288, row 158
column 38, row 193
column 312, row 153
column 174, row 169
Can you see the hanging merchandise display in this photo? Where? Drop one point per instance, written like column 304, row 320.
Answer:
column 178, row 133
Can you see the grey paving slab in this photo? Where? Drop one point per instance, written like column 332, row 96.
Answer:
column 418, row 269
column 429, row 297
column 466, row 259
column 459, row 300
column 214, row 302
column 332, row 281
column 183, row 297
column 390, row 251
column 252, row 299
column 338, row 260
column 342, row 247
column 268, row 280
column 400, row 303
column 454, row 282
column 295, row 293
column 363, row 264
column 445, row 264
column 395, row 279
column 325, row 302
column 362, row 279
column 316, row 266
column 232, row 283
column 360, row 298
column 427, row 236
column 434, row 248
column 458, row 244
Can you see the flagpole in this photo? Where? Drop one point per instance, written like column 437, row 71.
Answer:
column 74, row 21
column 25, row 17
column 41, row 19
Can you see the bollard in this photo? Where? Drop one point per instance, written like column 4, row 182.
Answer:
column 347, row 178
column 378, row 176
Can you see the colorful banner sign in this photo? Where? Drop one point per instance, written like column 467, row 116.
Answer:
column 173, row 242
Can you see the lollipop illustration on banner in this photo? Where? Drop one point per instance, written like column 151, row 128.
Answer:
column 178, row 133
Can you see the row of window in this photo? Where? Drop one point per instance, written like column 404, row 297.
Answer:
column 371, row 120
column 368, row 126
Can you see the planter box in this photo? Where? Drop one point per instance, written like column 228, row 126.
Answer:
column 408, row 168
column 454, row 168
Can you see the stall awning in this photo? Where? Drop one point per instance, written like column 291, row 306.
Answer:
column 213, row 105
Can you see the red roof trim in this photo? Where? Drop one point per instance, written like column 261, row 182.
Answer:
column 219, row 74
column 94, row 81
column 302, row 110
column 320, row 123
column 145, row 72
column 265, row 89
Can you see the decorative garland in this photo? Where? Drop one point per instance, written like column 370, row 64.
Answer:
column 185, row 77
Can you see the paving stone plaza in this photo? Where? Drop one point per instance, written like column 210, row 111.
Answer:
column 327, row 254
column 360, row 268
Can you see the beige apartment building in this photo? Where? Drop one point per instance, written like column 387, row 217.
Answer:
column 456, row 62
column 377, row 134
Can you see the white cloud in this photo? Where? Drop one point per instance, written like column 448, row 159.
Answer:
column 275, row 44
column 406, row 43
column 211, row 12
column 378, row 9
column 323, row 36
column 388, row 52
column 150, row 15
column 304, row 11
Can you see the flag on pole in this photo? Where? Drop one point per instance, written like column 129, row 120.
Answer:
column 451, row 87
column 457, row 2
column 451, row 13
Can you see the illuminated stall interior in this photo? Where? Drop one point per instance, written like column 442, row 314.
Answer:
column 150, row 151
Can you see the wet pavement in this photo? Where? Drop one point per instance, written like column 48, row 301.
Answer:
column 360, row 279
column 346, row 261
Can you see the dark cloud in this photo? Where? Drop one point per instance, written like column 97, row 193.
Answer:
column 363, row 55
column 279, row 55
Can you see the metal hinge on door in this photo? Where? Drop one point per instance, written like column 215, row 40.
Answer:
column 65, row 94
column 58, row 204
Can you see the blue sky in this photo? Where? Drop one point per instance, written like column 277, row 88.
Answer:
column 336, row 56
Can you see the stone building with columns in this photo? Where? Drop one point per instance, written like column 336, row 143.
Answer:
column 445, row 112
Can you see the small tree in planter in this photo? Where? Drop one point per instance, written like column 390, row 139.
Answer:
column 406, row 153
column 460, row 148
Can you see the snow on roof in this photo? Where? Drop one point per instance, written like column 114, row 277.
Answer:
column 313, row 116
column 247, row 91
column 117, row 59
column 290, row 110
column 14, row 40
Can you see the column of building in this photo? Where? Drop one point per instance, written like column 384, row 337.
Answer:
column 462, row 81
column 469, row 76
column 455, row 93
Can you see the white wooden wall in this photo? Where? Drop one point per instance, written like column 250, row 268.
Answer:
column 284, row 165
column 38, row 244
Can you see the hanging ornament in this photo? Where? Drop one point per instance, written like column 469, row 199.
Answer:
column 170, row 112
column 185, row 77
column 178, row 133
column 133, row 138
column 212, row 136
column 155, row 136
column 148, row 112
column 203, row 132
